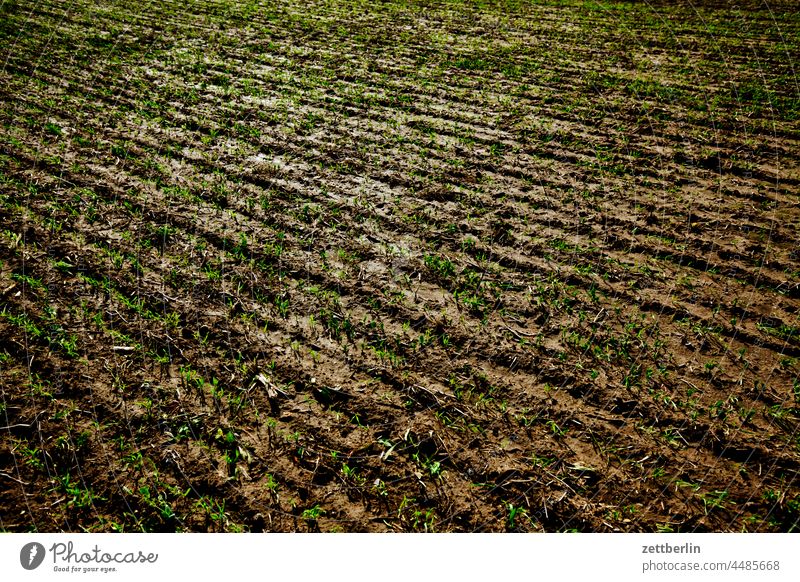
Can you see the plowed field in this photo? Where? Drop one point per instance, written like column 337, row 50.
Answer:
column 413, row 265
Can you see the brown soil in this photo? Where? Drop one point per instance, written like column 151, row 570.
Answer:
column 421, row 266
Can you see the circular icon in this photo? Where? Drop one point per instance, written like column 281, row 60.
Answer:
column 31, row 555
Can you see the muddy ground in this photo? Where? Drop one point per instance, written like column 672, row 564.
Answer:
column 401, row 266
